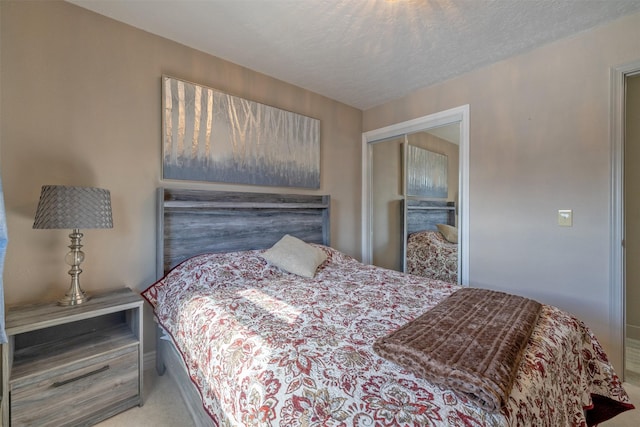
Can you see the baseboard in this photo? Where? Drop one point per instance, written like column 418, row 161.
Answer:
column 149, row 360
column 633, row 332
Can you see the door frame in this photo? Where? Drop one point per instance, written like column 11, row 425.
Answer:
column 453, row 115
column 617, row 311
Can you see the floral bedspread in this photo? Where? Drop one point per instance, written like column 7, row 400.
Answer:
column 267, row 348
column 430, row 255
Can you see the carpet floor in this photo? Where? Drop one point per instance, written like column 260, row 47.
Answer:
column 163, row 406
column 632, row 361
column 629, row 418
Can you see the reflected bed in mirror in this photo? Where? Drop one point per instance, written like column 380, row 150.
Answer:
column 385, row 188
column 431, row 243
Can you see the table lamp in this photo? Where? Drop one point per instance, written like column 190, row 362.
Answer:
column 73, row 208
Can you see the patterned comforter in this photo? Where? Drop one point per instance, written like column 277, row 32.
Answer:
column 430, row 255
column 267, row 348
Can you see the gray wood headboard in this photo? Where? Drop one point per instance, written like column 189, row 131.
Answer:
column 192, row 222
column 425, row 214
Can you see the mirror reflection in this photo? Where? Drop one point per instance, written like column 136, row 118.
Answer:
column 415, row 186
column 431, row 196
column 386, row 204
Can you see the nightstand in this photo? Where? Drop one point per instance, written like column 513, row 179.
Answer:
column 75, row 365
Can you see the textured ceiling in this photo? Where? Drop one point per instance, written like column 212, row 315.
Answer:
column 363, row 52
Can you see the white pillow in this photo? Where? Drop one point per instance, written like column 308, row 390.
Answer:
column 450, row 233
column 295, row 256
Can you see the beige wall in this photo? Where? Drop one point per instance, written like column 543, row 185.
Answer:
column 386, row 204
column 632, row 205
column 539, row 142
column 81, row 106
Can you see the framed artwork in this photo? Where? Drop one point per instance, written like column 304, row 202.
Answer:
column 212, row 136
column 426, row 173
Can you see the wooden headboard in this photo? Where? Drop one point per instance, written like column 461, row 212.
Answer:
column 425, row 214
column 192, row 222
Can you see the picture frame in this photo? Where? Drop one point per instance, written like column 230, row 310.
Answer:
column 426, row 173
column 208, row 135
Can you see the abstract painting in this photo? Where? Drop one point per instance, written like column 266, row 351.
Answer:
column 426, row 173
column 212, row 136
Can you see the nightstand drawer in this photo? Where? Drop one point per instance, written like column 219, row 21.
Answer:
column 75, row 391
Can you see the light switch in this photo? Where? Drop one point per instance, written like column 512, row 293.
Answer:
column 565, row 217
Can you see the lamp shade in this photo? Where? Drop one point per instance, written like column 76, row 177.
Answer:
column 67, row 207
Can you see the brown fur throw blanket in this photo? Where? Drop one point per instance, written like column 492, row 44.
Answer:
column 471, row 343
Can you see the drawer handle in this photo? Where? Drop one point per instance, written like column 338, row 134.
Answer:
column 79, row 377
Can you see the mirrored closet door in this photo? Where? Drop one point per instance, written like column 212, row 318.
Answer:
column 414, row 189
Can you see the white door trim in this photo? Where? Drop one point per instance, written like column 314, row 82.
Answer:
column 453, row 115
column 617, row 261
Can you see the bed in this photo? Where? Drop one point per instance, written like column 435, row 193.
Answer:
column 428, row 252
column 250, row 344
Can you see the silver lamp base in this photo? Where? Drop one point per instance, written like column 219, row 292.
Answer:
column 75, row 295
column 74, row 298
